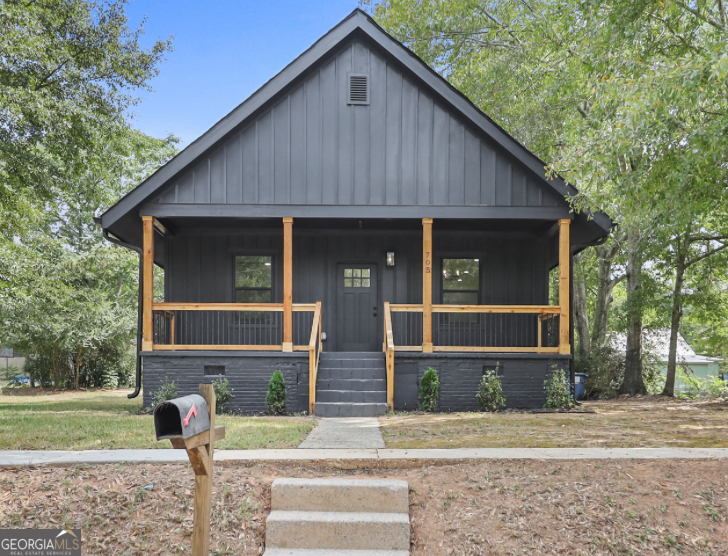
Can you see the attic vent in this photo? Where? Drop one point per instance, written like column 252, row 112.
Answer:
column 358, row 88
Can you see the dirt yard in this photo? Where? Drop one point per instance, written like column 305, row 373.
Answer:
column 482, row 508
column 652, row 421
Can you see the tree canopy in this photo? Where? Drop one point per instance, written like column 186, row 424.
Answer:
column 67, row 73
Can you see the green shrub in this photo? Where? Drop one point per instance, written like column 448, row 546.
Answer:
column 604, row 369
column 429, row 390
column 717, row 387
column 275, row 402
column 223, row 395
column 691, row 386
column 167, row 391
column 490, row 395
column 558, row 389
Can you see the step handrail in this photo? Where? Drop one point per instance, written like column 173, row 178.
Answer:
column 314, row 355
column 389, row 351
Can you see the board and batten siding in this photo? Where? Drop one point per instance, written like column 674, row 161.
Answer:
column 312, row 148
column 513, row 269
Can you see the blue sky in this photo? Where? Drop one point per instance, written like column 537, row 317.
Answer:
column 223, row 52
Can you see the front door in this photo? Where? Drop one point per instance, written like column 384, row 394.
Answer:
column 356, row 307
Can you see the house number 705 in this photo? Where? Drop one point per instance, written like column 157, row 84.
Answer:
column 427, row 262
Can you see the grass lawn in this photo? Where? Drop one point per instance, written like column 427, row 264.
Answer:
column 623, row 423
column 107, row 419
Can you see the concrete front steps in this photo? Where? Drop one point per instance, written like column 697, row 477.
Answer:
column 351, row 384
column 338, row 517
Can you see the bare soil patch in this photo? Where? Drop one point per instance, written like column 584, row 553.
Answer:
column 509, row 507
column 651, row 421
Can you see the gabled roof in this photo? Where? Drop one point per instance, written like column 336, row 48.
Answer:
column 357, row 22
column 657, row 342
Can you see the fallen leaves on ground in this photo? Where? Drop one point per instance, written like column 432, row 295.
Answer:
column 502, row 507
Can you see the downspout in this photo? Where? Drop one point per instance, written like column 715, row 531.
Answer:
column 138, row 380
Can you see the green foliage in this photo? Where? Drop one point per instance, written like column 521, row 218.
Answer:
column 429, row 390
column 66, row 74
column 73, row 313
column 11, row 371
column 717, row 388
column 558, row 389
column 490, row 395
column 223, row 395
column 275, row 401
column 624, row 98
column 167, row 391
column 604, row 368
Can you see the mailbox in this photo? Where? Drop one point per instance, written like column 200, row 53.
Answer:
column 182, row 417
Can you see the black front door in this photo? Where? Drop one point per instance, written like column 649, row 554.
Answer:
column 356, row 307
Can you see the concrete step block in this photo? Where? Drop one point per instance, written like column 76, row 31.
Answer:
column 338, row 530
column 340, row 495
column 351, row 396
column 352, row 355
column 334, row 552
column 354, row 384
column 342, row 409
column 350, row 374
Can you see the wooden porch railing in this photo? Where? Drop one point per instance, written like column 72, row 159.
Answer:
column 315, row 345
column 229, row 326
column 463, row 328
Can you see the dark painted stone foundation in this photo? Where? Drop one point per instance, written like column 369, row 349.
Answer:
column 461, row 373
column 248, row 373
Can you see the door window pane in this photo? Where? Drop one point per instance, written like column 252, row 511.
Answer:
column 353, row 278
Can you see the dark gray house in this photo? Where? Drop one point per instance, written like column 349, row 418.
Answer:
column 354, row 222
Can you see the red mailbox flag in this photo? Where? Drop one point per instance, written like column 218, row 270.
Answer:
column 193, row 411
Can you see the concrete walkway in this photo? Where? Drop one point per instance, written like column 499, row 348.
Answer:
column 29, row 458
column 347, row 433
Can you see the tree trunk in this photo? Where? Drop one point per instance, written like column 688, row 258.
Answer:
column 581, row 315
column 77, row 365
column 605, row 285
column 633, row 382
column 681, row 256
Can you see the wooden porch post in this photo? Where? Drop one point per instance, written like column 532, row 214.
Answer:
column 288, row 284
column 148, row 280
column 564, row 286
column 427, row 285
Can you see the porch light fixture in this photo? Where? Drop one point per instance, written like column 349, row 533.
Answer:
column 390, row 258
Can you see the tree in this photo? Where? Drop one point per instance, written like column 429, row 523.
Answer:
column 73, row 313
column 66, row 74
column 624, row 98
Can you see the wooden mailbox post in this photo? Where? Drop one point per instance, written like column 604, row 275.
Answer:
column 175, row 417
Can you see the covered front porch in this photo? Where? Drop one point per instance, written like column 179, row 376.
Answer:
column 467, row 291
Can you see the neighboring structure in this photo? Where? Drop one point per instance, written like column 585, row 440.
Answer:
column 355, row 203
column 657, row 344
column 11, row 362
